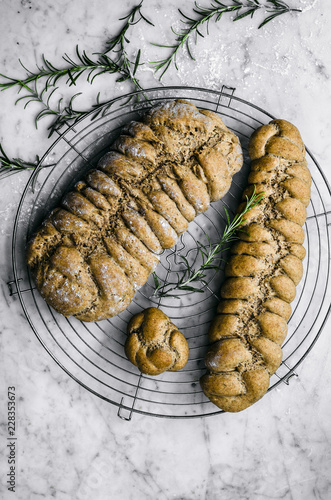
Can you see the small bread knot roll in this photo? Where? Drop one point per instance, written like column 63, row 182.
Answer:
column 154, row 343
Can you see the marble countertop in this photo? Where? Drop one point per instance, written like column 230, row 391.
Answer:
column 71, row 444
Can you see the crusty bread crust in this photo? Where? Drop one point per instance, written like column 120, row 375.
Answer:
column 154, row 344
column 94, row 251
column 262, row 273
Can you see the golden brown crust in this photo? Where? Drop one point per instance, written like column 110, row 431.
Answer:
column 261, row 274
column 138, row 200
column 154, row 344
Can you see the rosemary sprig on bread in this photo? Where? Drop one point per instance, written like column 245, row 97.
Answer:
column 211, row 255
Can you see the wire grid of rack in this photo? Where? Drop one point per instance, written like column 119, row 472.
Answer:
column 92, row 353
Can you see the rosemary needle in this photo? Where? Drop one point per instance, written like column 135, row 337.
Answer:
column 210, row 254
column 203, row 15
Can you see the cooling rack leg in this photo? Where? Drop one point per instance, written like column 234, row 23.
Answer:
column 225, row 96
column 286, row 380
column 14, row 289
column 125, row 412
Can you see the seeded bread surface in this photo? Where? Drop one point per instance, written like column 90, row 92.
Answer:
column 100, row 245
column 262, row 273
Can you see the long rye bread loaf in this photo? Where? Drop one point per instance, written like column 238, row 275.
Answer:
column 100, row 245
column 262, row 272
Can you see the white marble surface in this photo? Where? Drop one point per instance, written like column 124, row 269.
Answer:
column 71, row 445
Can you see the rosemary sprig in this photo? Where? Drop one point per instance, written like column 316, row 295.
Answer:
column 50, row 75
column 71, row 115
column 16, row 163
column 210, row 255
column 10, row 166
column 83, row 63
column 37, row 96
column 192, row 25
column 62, row 116
column 118, row 40
column 118, row 44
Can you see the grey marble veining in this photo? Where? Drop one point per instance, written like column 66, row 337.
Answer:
column 71, row 445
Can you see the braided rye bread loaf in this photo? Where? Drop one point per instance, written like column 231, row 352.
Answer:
column 94, row 251
column 263, row 270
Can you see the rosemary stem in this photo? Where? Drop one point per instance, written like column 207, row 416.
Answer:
column 210, row 255
column 216, row 9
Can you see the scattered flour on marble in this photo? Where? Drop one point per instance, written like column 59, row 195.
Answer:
column 311, row 5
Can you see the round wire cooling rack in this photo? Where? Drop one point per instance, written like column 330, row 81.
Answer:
column 92, row 353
